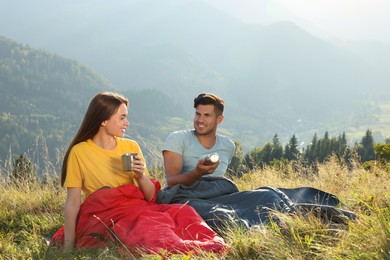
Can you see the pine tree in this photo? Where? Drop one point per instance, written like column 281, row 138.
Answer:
column 366, row 147
column 23, row 169
column 277, row 150
column 252, row 158
column 266, row 154
column 291, row 151
column 311, row 152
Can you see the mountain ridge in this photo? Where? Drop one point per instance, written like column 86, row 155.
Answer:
column 276, row 78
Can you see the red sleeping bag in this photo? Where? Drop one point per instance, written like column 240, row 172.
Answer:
column 122, row 215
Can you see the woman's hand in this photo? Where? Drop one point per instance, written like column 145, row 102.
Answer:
column 138, row 167
column 145, row 184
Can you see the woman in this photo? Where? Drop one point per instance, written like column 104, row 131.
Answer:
column 93, row 161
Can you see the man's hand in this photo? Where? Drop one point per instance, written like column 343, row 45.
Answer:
column 205, row 169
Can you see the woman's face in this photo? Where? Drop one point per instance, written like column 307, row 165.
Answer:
column 117, row 123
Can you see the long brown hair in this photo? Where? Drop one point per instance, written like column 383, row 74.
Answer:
column 101, row 108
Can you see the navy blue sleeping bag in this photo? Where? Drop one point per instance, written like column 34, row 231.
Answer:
column 221, row 204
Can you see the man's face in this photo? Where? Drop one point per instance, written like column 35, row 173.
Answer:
column 206, row 120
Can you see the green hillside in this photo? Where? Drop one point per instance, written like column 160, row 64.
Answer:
column 41, row 94
column 44, row 97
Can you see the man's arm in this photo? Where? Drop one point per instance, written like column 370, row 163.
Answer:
column 173, row 163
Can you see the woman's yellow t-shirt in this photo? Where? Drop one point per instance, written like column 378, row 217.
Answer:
column 91, row 167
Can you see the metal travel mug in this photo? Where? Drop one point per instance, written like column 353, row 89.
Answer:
column 127, row 161
column 211, row 159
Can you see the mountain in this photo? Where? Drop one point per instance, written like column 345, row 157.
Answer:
column 44, row 97
column 275, row 79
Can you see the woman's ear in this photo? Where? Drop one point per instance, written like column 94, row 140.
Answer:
column 103, row 123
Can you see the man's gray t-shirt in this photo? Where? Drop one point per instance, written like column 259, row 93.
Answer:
column 184, row 142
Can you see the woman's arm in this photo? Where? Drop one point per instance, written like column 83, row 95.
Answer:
column 144, row 182
column 72, row 208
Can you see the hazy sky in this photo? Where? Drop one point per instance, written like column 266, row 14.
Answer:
column 343, row 19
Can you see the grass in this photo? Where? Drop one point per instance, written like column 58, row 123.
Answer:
column 31, row 212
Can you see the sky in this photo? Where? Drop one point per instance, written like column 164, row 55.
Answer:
column 340, row 19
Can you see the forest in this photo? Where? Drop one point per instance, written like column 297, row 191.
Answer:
column 319, row 150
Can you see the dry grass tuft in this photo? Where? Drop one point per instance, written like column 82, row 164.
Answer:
column 32, row 212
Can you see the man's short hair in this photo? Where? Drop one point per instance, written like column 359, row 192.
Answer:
column 210, row 99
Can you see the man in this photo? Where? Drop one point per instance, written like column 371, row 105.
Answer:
column 184, row 149
column 189, row 180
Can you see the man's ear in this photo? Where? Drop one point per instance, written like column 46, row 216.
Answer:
column 220, row 119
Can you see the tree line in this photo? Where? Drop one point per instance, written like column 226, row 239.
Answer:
column 272, row 154
column 318, row 151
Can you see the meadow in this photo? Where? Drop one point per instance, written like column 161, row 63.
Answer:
column 32, row 210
